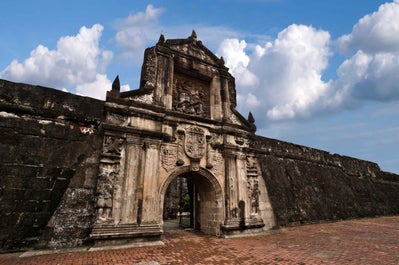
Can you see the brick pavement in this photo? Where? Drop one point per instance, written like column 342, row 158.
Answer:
column 364, row 241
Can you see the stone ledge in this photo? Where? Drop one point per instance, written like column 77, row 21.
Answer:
column 109, row 234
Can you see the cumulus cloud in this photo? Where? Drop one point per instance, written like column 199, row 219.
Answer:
column 233, row 52
column 282, row 79
column 285, row 75
column 135, row 31
column 375, row 32
column 77, row 61
column 372, row 72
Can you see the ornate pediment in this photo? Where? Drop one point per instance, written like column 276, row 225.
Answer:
column 193, row 48
column 181, row 76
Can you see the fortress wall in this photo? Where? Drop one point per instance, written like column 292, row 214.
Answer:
column 49, row 147
column 307, row 185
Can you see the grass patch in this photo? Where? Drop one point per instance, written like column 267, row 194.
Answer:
column 327, row 230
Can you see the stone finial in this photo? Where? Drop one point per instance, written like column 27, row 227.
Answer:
column 161, row 39
column 222, row 60
column 193, row 35
column 251, row 118
column 116, row 85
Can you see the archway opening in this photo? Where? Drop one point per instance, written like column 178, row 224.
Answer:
column 191, row 200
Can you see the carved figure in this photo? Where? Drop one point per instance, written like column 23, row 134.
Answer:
column 189, row 98
column 255, row 198
column 107, row 177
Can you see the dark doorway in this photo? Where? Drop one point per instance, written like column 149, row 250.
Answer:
column 178, row 202
column 191, row 201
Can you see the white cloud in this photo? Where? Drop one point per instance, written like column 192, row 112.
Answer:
column 233, row 52
column 373, row 71
column 287, row 72
column 136, row 31
column 76, row 61
column 376, row 32
column 96, row 89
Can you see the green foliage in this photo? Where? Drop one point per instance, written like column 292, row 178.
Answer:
column 184, row 204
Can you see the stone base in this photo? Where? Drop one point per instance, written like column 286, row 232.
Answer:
column 108, row 234
column 241, row 228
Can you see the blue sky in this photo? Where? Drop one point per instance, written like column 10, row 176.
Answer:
column 324, row 74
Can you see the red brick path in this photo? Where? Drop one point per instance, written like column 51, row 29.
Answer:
column 365, row 241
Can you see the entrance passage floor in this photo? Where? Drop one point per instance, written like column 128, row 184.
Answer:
column 364, row 241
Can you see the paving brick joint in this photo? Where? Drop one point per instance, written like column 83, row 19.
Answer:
column 362, row 241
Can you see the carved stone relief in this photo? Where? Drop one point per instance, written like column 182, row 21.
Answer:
column 105, row 189
column 217, row 163
column 180, row 139
column 253, row 184
column 195, row 142
column 112, row 145
column 109, row 171
column 146, row 98
column 149, row 70
column 168, row 156
column 190, row 96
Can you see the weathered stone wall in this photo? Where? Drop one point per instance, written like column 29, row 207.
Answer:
column 307, row 185
column 49, row 147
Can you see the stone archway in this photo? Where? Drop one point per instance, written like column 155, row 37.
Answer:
column 207, row 199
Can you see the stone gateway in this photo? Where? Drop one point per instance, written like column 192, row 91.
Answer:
column 181, row 122
column 79, row 171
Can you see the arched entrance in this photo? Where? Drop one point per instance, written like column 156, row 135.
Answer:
column 205, row 199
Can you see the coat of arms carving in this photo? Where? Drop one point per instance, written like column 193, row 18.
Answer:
column 168, row 157
column 195, row 142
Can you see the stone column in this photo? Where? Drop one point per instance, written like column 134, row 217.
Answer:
column 225, row 97
column 231, row 187
column 133, row 161
column 169, row 94
column 243, row 197
column 215, row 98
column 161, row 78
column 150, row 207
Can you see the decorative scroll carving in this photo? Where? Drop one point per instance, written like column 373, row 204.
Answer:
column 209, row 163
column 252, row 169
column 168, row 156
column 217, row 163
column 146, row 98
column 194, row 166
column 112, row 145
column 195, row 142
column 242, row 141
column 180, row 138
column 233, row 119
column 190, row 96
